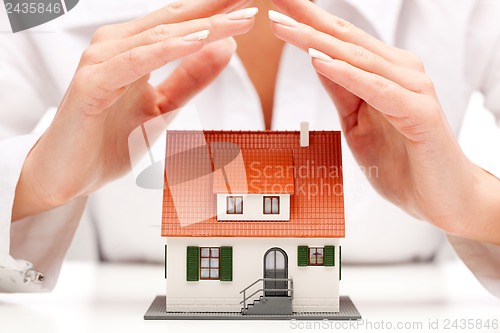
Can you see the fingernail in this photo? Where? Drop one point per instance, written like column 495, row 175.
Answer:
column 320, row 55
column 243, row 14
column 196, row 36
column 282, row 19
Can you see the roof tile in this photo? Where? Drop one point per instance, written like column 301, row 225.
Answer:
column 193, row 173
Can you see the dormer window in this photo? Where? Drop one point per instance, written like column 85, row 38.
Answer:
column 252, row 184
column 271, row 205
column 234, row 205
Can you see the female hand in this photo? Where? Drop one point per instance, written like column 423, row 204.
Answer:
column 109, row 96
column 392, row 119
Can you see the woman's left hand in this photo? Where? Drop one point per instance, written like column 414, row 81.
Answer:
column 392, row 119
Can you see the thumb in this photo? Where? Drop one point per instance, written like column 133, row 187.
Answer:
column 194, row 74
column 347, row 104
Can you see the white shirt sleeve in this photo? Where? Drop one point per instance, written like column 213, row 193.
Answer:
column 38, row 243
column 483, row 53
column 41, row 240
column 491, row 84
column 483, row 72
column 482, row 259
column 13, row 273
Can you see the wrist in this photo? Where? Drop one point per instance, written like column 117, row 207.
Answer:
column 32, row 196
column 479, row 217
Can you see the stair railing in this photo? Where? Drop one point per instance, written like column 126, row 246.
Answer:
column 289, row 289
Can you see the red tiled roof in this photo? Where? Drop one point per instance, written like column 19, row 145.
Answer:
column 253, row 171
column 193, row 173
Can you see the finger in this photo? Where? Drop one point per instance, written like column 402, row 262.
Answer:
column 404, row 109
column 306, row 37
column 194, row 74
column 308, row 13
column 220, row 27
column 105, row 82
column 178, row 11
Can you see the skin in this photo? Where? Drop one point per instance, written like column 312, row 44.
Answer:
column 262, row 72
column 390, row 114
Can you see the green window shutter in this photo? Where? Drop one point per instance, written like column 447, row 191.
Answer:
column 329, row 256
column 193, row 263
column 165, row 261
column 302, row 256
column 226, row 263
column 340, row 262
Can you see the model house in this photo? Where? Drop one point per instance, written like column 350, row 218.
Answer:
column 252, row 221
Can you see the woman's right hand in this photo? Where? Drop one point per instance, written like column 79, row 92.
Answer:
column 392, row 120
column 86, row 146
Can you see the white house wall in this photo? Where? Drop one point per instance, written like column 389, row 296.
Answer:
column 253, row 208
column 316, row 288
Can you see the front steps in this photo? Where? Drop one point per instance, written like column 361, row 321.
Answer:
column 269, row 306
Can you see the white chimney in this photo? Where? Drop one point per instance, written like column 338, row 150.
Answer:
column 304, row 134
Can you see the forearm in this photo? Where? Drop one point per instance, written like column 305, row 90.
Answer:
column 451, row 192
column 470, row 207
column 28, row 200
column 482, row 223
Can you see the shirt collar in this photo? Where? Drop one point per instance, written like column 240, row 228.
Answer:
column 383, row 15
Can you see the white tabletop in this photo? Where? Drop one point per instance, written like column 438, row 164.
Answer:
column 113, row 298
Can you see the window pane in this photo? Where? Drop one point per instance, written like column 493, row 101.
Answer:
column 214, row 273
column 214, row 263
column 320, row 256
column 270, row 260
column 312, row 256
column 276, row 205
column 215, row 252
column 239, row 205
column 280, row 260
column 267, row 205
column 205, row 252
column 205, row 262
column 204, row 273
column 230, row 205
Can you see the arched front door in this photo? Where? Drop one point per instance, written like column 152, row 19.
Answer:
column 276, row 267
